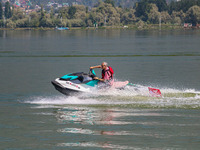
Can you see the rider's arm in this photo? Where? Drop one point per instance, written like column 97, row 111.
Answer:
column 96, row 78
column 100, row 79
column 93, row 67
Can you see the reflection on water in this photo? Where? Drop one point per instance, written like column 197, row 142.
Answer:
column 99, row 117
column 105, row 145
column 110, row 128
column 89, row 117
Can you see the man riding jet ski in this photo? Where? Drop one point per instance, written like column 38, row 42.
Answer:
column 107, row 74
column 83, row 82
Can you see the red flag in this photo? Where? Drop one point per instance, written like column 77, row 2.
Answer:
column 154, row 92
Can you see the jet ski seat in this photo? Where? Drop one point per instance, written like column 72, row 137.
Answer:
column 80, row 78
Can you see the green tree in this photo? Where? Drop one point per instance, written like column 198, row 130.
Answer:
column 7, row 12
column 154, row 14
column 1, row 11
column 91, row 19
column 183, row 5
column 52, row 13
column 142, row 10
column 1, row 23
column 143, row 7
column 110, row 2
column 128, row 17
column 100, row 2
column 141, row 24
column 42, row 19
column 106, row 13
column 77, row 23
column 42, row 15
column 50, row 23
column 178, row 17
column 72, row 11
column 18, row 14
column 172, row 7
column 161, row 4
column 10, row 24
column 22, row 23
column 63, row 13
column 34, row 19
column 34, row 15
column 193, row 15
column 176, row 21
column 80, row 12
column 86, row 10
column 165, row 17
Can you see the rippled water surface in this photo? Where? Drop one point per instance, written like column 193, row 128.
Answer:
column 33, row 115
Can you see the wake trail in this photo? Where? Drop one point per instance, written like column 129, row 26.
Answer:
column 129, row 97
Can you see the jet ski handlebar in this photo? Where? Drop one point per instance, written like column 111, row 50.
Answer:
column 92, row 73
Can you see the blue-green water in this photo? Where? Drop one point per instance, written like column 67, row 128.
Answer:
column 33, row 115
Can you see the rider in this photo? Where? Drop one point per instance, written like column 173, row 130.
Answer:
column 107, row 73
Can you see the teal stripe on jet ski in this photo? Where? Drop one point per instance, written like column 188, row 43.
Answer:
column 69, row 77
column 93, row 72
column 92, row 83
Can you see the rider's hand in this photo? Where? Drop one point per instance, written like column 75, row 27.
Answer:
column 91, row 68
column 95, row 78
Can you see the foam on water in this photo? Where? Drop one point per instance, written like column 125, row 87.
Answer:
column 128, row 97
column 61, row 100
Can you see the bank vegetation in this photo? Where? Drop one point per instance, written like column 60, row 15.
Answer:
column 145, row 14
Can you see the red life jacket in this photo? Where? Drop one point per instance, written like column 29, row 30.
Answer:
column 110, row 70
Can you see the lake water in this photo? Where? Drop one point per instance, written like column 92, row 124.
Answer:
column 33, row 115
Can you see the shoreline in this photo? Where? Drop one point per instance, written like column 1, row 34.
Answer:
column 128, row 27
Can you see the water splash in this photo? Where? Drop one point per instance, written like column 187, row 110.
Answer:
column 128, row 97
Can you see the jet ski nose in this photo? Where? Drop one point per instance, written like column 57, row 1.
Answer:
column 55, row 84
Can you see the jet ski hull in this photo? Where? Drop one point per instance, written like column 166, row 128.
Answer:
column 67, row 87
column 63, row 90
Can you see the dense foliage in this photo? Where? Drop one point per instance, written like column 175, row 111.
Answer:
column 105, row 13
column 182, row 5
column 7, row 12
column 89, row 3
column 1, row 11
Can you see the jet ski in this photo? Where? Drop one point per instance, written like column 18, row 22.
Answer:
column 73, row 83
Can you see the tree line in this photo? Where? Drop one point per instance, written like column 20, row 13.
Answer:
column 104, row 13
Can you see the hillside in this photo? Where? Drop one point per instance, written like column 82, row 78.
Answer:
column 90, row 3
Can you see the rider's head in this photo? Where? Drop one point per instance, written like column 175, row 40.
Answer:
column 104, row 65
